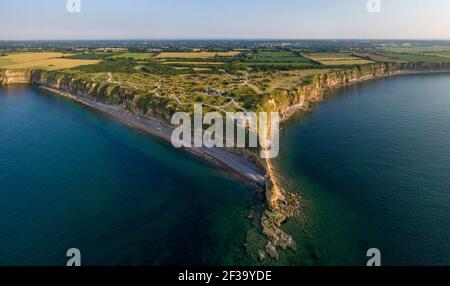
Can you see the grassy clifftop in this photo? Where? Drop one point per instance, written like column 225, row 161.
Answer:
column 314, row 88
column 159, row 96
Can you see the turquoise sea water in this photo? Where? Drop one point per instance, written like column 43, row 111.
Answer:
column 72, row 178
column 373, row 166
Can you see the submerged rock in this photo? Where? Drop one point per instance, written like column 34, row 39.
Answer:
column 272, row 219
column 272, row 251
column 261, row 255
column 255, row 241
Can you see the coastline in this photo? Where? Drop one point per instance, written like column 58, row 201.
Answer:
column 290, row 112
column 283, row 204
column 218, row 156
column 280, row 205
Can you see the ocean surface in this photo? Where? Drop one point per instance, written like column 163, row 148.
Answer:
column 372, row 165
column 71, row 177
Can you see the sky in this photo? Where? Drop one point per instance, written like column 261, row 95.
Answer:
column 224, row 19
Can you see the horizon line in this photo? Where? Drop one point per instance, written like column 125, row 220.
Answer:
column 228, row 39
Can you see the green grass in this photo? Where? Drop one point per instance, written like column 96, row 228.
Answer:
column 277, row 64
column 110, row 65
column 93, row 56
column 280, row 60
column 279, row 56
column 247, row 96
column 443, row 54
column 428, row 49
column 416, row 58
column 136, row 56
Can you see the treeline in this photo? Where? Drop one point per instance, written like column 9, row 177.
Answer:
column 89, row 56
column 120, row 65
column 235, row 67
column 200, row 60
column 130, row 65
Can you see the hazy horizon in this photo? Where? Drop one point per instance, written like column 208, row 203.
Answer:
column 225, row 20
column 228, row 39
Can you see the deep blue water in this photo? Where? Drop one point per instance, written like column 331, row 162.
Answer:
column 72, row 178
column 373, row 166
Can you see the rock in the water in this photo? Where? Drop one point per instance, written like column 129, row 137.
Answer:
column 251, row 215
column 261, row 255
column 272, row 251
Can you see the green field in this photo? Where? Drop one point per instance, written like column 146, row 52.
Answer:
column 418, row 50
column 337, row 59
column 417, row 58
column 276, row 59
column 279, row 56
column 196, row 55
column 136, row 56
column 89, row 56
column 299, row 65
column 441, row 54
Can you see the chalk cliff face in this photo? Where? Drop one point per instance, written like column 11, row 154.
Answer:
column 315, row 88
column 105, row 92
column 281, row 204
column 14, row 76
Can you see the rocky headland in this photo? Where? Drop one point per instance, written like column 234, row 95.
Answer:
column 280, row 205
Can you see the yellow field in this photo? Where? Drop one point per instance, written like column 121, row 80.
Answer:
column 49, row 61
column 197, row 55
column 192, row 63
column 330, row 59
column 195, row 69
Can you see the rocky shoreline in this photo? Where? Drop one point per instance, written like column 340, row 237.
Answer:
column 218, row 156
column 280, row 205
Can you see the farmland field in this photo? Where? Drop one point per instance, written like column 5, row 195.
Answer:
column 193, row 68
column 276, row 56
column 196, row 55
column 277, row 59
column 283, row 79
column 418, row 50
column 441, row 54
column 192, row 63
column 49, row 61
column 299, row 65
column 373, row 56
column 136, row 56
column 88, row 56
column 337, row 59
column 417, row 58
